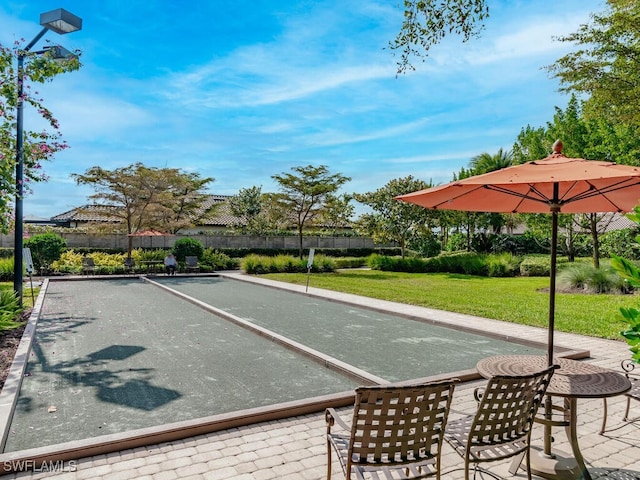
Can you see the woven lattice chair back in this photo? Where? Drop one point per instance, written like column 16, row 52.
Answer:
column 501, row 426
column 395, row 429
column 507, row 409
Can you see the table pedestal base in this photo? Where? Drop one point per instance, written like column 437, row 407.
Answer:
column 558, row 466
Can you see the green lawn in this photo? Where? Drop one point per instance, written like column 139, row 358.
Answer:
column 523, row 300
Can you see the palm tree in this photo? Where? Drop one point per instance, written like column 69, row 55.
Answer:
column 485, row 162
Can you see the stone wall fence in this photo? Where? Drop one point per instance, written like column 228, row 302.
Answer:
column 119, row 241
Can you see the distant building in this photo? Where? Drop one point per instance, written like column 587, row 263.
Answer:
column 220, row 220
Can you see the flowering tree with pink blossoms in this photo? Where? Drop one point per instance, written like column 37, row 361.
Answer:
column 38, row 146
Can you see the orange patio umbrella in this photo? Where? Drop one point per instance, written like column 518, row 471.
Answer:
column 146, row 233
column 556, row 184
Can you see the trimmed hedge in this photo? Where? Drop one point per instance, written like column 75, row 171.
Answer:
column 503, row 265
column 328, row 252
column 257, row 264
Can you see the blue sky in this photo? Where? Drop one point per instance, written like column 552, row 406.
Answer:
column 242, row 90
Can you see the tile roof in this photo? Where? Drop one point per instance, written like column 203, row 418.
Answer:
column 221, row 215
column 105, row 213
column 89, row 213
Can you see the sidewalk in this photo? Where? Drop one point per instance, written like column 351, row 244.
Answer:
column 295, row 448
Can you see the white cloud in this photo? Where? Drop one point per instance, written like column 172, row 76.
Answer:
column 331, row 137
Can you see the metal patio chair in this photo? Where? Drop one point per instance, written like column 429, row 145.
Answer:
column 395, row 430
column 501, row 426
column 191, row 264
column 634, row 394
column 129, row 265
column 88, row 266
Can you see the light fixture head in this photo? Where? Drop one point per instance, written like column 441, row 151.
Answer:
column 60, row 21
column 58, row 52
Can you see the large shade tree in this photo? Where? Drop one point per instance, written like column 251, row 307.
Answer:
column 180, row 202
column 606, row 65
column 38, row 146
column 305, row 192
column 338, row 212
column 146, row 197
column 394, row 221
column 248, row 208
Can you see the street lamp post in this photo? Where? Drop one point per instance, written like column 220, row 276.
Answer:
column 59, row 21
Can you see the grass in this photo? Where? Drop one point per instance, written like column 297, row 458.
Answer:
column 523, row 300
column 26, row 292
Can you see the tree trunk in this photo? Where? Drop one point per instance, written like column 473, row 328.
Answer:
column 300, row 240
column 593, row 224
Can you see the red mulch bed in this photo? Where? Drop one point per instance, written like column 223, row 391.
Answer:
column 9, row 342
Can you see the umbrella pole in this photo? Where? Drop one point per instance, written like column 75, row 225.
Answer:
column 548, row 410
column 552, row 283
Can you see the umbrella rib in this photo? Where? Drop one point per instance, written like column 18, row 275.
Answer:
column 449, row 200
column 595, row 191
column 524, row 196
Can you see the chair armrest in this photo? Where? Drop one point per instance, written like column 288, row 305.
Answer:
column 332, row 418
column 478, row 392
column 628, row 366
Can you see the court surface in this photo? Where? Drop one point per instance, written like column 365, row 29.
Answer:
column 111, row 356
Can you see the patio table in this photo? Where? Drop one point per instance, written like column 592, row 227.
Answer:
column 571, row 381
column 152, row 266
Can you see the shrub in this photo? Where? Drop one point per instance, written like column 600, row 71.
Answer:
column 285, row 263
column 620, row 243
column 69, row 262
column 6, row 269
column 187, row 247
column 323, row 264
column 573, row 277
column 45, row 248
column 426, row 245
column 459, row 262
column 396, row 264
column 256, row 264
column 106, row 263
column 252, row 264
column 457, row 242
column 10, row 310
column 601, row 280
column 218, row 260
column 380, row 262
column 469, row 264
column 585, row 277
column 502, row 265
column 350, row 262
column 535, row 266
column 144, row 255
